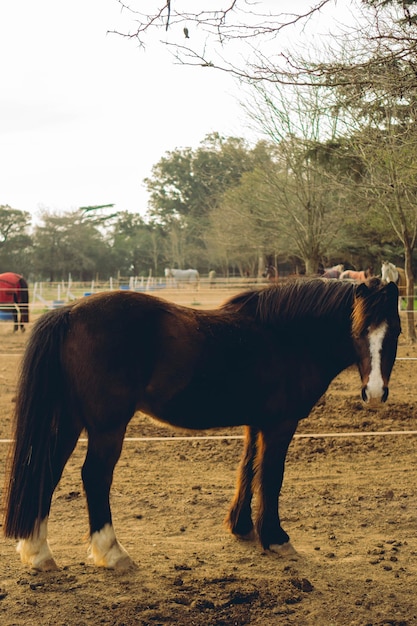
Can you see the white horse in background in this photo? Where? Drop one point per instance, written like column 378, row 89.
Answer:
column 390, row 273
column 179, row 277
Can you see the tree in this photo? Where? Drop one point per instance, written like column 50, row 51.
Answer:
column 377, row 95
column 388, row 147
column 137, row 246
column 69, row 244
column 301, row 199
column 15, row 240
column 186, row 186
column 238, row 234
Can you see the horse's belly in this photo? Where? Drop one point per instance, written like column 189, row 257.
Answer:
column 198, row 411
column 203, row 406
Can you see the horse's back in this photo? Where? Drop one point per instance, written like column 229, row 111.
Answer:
column 11, row 277
column 10, row 280
column 355, row 276
column 331, row 273
column 123, row 340
column 347, row 275
column 130, row 352
column 10, row 286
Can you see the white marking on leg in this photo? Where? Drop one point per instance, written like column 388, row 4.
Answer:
column 35, row 551
column 375, row 386
column 106, row 551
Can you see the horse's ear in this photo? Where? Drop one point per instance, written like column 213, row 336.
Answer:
column 361, row 290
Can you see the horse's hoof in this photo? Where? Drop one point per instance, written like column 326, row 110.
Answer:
column 46, row 566
column 36, row 554
column 124, row 564
column 106, row 551
column 284, row 549
column 250, row 536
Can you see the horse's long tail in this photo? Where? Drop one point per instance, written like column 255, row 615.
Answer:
column 24, row 301
column 39, row 413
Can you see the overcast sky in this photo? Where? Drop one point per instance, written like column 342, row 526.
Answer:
column 84, row 115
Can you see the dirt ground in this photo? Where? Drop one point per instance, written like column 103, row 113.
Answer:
column 349, row 503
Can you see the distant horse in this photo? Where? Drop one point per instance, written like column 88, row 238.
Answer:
column 394, row 274
column 14, row 298
column 191, row 277
column 333, row 272
column 212, row 278
column 271, row 273
column 359, row 277
column 262, row 360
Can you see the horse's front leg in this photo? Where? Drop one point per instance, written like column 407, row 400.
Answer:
column 270, row 462
column 103, row 452
column 239, row 518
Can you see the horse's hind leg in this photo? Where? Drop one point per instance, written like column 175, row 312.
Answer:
column 272, row 450
column 103, row 452
column 34, row 550
column 15, row 320
column 239, row 518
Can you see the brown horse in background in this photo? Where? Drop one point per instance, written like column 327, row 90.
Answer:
column 262, row 360
column 359, row 277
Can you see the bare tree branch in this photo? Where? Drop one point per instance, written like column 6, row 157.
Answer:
column 250, row 41
column 229, row 37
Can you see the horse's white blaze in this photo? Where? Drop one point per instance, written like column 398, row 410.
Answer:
column 106, row 551
column 375, row 384
column 35, row 550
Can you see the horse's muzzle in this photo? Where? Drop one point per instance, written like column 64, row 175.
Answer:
column 375, row 400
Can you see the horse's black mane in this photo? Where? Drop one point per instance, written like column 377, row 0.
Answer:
column 295, row 299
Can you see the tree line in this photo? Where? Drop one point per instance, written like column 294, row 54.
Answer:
column 298, row 202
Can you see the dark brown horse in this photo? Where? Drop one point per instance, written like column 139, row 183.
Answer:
column 261, row 360
column 14, row 299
